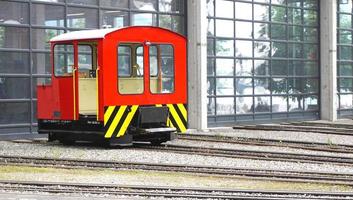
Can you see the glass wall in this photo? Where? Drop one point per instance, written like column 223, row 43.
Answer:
column 263, row 60
column 344, row 58
column 26, row 26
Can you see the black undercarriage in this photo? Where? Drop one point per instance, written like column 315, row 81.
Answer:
column 148, row 125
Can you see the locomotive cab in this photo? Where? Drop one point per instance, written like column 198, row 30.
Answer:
column 116, row 86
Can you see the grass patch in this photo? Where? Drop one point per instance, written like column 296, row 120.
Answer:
column 154, row 178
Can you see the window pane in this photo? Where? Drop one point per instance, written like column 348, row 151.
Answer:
column 165, row 21
column 345, row 52
column 124, row 61
column 115, row 3
column 295, row 16
column 82, row 18
column 14, row 113
column 261, row 68
column 279, row 104
column 244, row 86
column 178, row 24
column 244, row 105
column 225, row 106
column 261, row 12
column 173, row 6
column 63, row 59
column 161, row 69
column 311, row 103
column 85, row 63
column 278, row 14
column 41, row 63
column 279, row 49
column 82, row 2
column 210, row 86
column 346, row 101
column 311, row 34
column 210, row 67
column 147, row 19
column 12, row 37
column 224, row 67
column 244, row 67
column 211, row 106
column 210, row 46
column 114, row 18
column 41, row 37
column 310, row 17
column 278, row 31
column 243, row 29
column 345, row 69
column 13, row 12
column 224, row 47
column 295, row 103
column 279, row 86
column 225, row 9
column 344, row 37
column 48, row 15
column 150, row 5
column 261, row 31
column 262, row 104
column 279, row 67
column 295, row 33
column 244, row 48
column 225, row 86
column 243, row 10
column 311, row 51
column 295, row 50
column 130, row 69
column 14, row 63
column 224, row 28
column 210, row 8
column 14, row 88
column 262, row 86
column 345, row 6
column 262, row 49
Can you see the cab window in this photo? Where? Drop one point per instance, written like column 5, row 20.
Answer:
column 161, row 68
column 130, row 68
column 86, row 66
column 63, row 59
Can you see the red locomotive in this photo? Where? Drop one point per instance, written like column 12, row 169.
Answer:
column 116, row 86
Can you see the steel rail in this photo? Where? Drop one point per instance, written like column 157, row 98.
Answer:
column 251, row 154
column 160, row 191
column 274, row 175
column 335, row 148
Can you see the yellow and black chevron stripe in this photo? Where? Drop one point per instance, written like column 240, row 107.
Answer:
column 117, row 119
column 178, row 116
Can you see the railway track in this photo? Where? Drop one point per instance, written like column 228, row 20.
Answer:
column 168, row 192
column 334, row 148
column 252, row 154
column 298, row 128
column 275, row 175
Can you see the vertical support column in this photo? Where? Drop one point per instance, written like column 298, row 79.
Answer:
column 328, row 54
column 197, row 64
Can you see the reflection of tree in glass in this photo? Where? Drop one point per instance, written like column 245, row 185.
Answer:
column 279, row 50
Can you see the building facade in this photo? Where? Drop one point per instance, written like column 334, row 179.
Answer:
column 249, row 61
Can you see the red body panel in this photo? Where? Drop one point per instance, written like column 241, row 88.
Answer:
column 59, row 97
column 142, row 35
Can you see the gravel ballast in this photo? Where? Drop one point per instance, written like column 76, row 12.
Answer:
column 54, row 150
